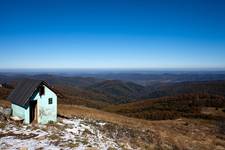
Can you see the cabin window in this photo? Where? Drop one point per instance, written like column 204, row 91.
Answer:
column 42, row 90
column 50, row 101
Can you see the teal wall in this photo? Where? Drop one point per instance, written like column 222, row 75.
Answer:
column 46, row 112
column 21, row 112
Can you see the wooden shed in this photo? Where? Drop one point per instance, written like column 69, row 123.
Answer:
column 34, row 101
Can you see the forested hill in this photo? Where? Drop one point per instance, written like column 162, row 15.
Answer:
column 90, row 90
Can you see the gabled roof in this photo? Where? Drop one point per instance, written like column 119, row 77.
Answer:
column 24, row 90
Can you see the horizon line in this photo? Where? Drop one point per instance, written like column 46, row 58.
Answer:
column 121, row 69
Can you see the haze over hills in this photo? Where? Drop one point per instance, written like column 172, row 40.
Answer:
column 128, row 89
column 149, row 78
column 88, row 77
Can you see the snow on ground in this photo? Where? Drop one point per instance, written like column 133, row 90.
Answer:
column 75, row 133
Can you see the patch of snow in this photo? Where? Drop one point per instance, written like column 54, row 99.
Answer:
column 31, row 144
column 66, row 134
column 101, row 123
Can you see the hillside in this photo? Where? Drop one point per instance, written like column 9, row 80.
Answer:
column 4, row 92
column 118, row 91
column 98, row 94
column 173, row 107
column 78, row 96
column 216, row 87
column 122, row 91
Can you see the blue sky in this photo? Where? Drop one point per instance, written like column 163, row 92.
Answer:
column 112, row 34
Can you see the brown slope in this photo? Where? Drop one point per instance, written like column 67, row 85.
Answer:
column 187, row 105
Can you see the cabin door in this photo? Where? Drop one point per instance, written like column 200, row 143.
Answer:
column 33, row 111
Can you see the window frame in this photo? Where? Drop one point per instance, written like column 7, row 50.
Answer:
column 50, row 101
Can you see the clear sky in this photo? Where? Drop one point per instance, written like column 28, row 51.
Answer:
column 112, row 34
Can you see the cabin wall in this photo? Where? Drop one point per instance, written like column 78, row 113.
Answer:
column 46, row 112
column 21, row 112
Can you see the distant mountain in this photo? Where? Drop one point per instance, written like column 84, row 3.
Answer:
column 172, row 89
column 143, row 78
column 5, row 79
column 119, row 91
column 116, row 91
column 79, row 96
column 68, row 81
column 156, row 78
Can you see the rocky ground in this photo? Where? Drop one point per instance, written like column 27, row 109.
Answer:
column 70, row 133
column 74, row 133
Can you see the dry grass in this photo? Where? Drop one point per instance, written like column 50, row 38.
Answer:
column 80, row 111
column 213, row 111
column 178, row 134
column 5, row 103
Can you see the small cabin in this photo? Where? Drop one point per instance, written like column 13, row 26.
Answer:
column 34, row 101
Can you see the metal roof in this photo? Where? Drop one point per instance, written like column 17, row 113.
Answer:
column 24, row 90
